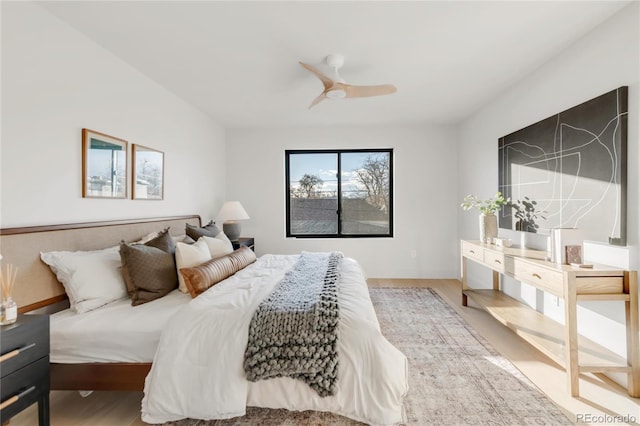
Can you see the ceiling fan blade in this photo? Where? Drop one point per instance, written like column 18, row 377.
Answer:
column 366, row 91
column 326, row 81
column 319, row 99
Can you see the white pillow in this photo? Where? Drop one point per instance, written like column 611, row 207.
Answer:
column 217, row 246
column 90, row 278
column 188, row 255
column 223, row 237
column 184, row 238
column 147, row 238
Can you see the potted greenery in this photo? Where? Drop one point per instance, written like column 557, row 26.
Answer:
column 488, row 208
column 526, row 215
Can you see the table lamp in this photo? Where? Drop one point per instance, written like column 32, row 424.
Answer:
column 231, row 213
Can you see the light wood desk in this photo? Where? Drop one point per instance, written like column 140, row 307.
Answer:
column 560, row 342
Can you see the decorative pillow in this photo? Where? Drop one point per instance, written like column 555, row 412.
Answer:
column 223, row 237
column 188, row 255
column 90, row 278
column 184, row 238
column 149, row 269
column 210, row 230
column 163, row 242
column 218, row 246
column 202, row 277
column 242, row 257
column 199, row 278
column 147, row 238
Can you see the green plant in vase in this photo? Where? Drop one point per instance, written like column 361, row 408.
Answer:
column 488, row 221
column 489, row 206
column 526, row 214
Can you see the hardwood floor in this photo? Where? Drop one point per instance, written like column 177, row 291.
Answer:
column 600, row 397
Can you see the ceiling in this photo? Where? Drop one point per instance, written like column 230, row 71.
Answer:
column 238, row 61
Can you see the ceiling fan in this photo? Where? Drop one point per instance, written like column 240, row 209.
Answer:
column 336, row 88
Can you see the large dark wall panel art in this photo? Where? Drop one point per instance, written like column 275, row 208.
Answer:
column 573, row 165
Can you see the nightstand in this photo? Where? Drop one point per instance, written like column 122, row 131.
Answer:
column 24, row 367
column 244, row 241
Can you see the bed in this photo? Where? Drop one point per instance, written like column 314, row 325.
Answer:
column 373, row 374
column 37, row 290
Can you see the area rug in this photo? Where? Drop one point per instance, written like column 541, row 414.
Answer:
column 455, row 377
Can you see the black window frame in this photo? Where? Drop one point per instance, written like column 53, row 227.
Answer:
column 338, row 153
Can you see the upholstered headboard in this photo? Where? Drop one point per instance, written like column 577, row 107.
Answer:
column 36, row 285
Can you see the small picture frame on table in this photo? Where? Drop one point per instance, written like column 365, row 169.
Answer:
column 574, row 254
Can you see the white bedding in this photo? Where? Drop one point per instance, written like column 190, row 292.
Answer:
column 198, row 372
column 116, row 332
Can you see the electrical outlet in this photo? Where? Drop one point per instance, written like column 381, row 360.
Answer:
column 413, row 254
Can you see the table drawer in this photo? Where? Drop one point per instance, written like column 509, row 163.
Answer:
column 542, row 278
column 498, row 262
column 30, row 336
column 32, row 381
column 599, row 285
column 473, row 251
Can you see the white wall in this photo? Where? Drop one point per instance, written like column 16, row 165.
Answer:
column 424, row 194
column 55, row 81
column 605, row 59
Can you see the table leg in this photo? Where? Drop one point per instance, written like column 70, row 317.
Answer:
column 631, row 318
column 571, row 333
column 43, row 410
column 464, row 280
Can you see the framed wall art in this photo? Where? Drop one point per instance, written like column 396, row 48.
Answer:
column 569, row 171
column 104, row 165
column 148, row 173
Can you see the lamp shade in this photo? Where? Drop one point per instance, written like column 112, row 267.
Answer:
column 232, row 210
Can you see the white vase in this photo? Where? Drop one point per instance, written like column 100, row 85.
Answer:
column 8, row 311
column 488, row 227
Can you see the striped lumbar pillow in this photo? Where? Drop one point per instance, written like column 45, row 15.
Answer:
column 200, row 278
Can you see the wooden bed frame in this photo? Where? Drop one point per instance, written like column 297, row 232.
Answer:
column 38, row 291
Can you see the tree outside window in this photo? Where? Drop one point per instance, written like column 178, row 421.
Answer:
column 339, row 193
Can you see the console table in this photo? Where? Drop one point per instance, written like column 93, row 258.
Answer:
column 560, row 342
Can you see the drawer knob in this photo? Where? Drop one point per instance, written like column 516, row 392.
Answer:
column 497, row 261
column 15, row 398
column 15, row 352
column 536, row 276
column 472, row 252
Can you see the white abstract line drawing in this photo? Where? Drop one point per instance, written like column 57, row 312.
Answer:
column 573, row 165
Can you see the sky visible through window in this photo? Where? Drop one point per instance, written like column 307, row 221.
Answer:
column 325, row 166
column 359, row 207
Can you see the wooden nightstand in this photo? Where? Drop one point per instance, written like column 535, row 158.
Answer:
column 244, row 241
column 24, row 367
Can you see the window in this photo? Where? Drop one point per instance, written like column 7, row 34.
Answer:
column 339, row 193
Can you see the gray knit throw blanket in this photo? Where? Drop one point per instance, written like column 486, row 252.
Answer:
column 294, row 331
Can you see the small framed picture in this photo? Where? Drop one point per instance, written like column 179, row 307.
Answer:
column 104, row 165
column 574, row 254
column 148, row 173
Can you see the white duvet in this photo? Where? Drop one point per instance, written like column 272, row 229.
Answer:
column 198, row 373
